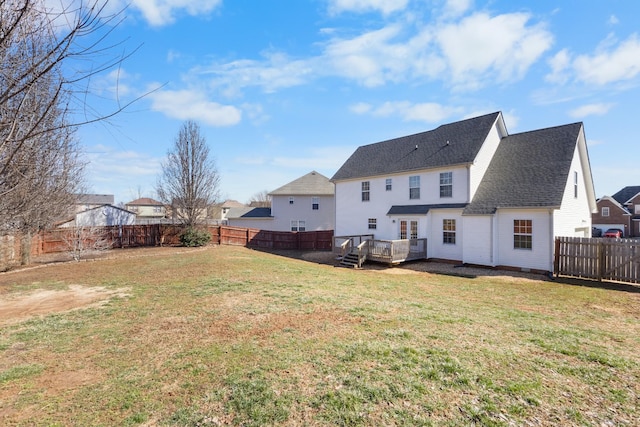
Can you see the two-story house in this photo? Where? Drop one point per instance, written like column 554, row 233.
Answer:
column 304, row 204
column 147, row 210
column 477, row 194
column 622, row 211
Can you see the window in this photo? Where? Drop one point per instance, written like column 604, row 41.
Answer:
column 605, row 211
column 291, row 199
column 575, row 184
column 449, row 231
column 522, row 231
column 373, row 223
column 298, row 225
column 414, row 187
column 446, row 184
column 413, row 229
column 365, row 191
column 387, row 184
column 157, row 209
column 315, row 203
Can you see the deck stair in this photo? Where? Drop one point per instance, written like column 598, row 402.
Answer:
column 350, row 260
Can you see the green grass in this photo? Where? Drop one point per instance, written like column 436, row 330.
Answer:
column 230, row 336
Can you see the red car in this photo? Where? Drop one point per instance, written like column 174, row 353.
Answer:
column 613, row 232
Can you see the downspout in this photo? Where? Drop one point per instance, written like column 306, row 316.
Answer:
column 551, row 241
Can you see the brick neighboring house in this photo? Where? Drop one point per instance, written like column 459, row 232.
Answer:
column 622, row 210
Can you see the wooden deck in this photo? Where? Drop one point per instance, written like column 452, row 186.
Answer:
column 385, row 251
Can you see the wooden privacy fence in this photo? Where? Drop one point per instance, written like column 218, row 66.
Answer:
column 168, row 234
column 598, row 258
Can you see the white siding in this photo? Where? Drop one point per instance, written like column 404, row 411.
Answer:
column 540, row 256
column 315, row 220
column 573, row 219
column 435, row 246
column 478, row 245
column 352, row 213
column 483, row 158
column 259, row 223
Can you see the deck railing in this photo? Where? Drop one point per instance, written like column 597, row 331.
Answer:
column 387, row 251
column 397, row 251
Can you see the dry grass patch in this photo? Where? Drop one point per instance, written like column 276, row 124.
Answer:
column 231, row 336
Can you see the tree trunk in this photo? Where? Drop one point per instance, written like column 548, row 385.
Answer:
column 25, row 248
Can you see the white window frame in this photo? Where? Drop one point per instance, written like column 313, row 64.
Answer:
column 291, row 200
column 605, row 211
column 372, row 223
column 298, row 225
column 449, row 231
column 388, row 184
column 523, row 234
column 414, row 187
column 366, row 191
column 315, row 203
column 446, row 184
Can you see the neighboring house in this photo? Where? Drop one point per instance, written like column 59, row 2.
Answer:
column 305, row 204
column 101, row 216
column 85, row 202
column 147, row 210
column 611, row 214
column 622, row 210
column 177, row 211
column 220, row 211
column 479, row 195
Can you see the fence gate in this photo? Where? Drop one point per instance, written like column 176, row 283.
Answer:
column 598, row 258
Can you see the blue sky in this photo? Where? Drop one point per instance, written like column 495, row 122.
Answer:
column 284, row 87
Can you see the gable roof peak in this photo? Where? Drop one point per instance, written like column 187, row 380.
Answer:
column 449, row 144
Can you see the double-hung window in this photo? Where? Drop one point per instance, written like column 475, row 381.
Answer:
column 387, row 184
column 373, row 223
column 605, row 211
column 446, row 184
column 414, row 187
column 315, row 203
column 575, row 184
column 522, row 233
column 298, row 225
column 365, row 191
column 291, row 199
column 449, row 231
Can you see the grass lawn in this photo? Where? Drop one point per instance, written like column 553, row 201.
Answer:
column 231, row 336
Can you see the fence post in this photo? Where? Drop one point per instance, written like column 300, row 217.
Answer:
column 601, row 259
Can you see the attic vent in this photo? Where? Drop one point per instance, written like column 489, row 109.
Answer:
column 447, row 142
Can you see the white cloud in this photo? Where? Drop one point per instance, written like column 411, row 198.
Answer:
column 612, row 62
column 609, row 65
column 428, row 112
column 360, row 108
column 590, row 110
column 384, row 6
column 457, row 7
column 187, row 104
column 467, row 54
column 163, row 12
column 481, row 47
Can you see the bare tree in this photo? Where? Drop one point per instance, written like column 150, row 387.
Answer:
column 189, row 180
column 261, row 199
column 42, row 79
column 80, row 241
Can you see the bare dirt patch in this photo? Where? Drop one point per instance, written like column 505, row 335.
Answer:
column 19, row 307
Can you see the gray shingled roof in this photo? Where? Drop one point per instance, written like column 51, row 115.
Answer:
column 624, row 195
column 311, row 184
column 529, row 169
column 449, row 144
column 421, row 209
column 249, row 212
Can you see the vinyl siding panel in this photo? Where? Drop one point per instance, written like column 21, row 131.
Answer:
column 540, row 256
